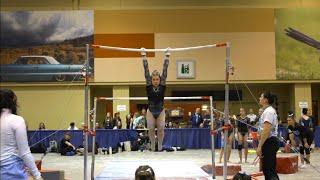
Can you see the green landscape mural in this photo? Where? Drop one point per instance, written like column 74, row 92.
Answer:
column 297, row 43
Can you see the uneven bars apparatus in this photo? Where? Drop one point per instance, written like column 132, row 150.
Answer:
column 228, row 71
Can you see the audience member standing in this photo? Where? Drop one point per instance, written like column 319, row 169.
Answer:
column 258, row 117
column 129, row 121
column 252, row 117
column 117, row 121
column 73, row 126
column 196, row 119
column 206, row 119
column 108, row 121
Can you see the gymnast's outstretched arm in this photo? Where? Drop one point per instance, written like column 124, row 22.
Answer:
column 146, row 71
column 164, row 74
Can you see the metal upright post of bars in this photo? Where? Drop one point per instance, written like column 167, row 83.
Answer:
column 94, row 137
column 212, row 141
column 86, row 119
column 226, row 111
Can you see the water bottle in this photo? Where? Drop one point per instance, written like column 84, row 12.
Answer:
column 110, row 150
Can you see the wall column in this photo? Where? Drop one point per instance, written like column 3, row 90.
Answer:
column 121, row 91
column 302, row 93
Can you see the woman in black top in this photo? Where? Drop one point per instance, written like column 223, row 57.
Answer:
column 129, row 121
column 305, row 120
column 242, row 132
column 108, row 121
column 117, row 123
column 300, row 136
column 155, row 87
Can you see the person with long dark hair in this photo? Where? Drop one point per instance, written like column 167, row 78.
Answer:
column 42, row 126
column 108, row 121
column 15, row 151
column 156, row 87
column 129, row 121
column 268, row 131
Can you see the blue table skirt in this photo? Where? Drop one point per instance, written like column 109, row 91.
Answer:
column 191, row 138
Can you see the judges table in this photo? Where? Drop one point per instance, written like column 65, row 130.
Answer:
column 190, row 138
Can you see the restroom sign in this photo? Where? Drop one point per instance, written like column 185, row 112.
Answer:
column 303, row 105
column 121, row 108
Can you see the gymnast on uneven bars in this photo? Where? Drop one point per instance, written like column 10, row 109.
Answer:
column 155, row 87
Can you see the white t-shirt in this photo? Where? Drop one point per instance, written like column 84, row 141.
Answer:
column 269, row 115
column 252, row 117
column 14, row 141
column 74, row 128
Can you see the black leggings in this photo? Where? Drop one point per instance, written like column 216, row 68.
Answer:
column 67, row 149
column 269, row 160
column 304, row 149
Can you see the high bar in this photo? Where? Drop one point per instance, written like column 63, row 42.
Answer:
column 146, row 98
column 159, row 50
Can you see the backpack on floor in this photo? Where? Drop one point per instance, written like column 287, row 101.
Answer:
column 39, row 148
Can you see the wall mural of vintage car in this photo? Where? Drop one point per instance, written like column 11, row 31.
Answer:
column 40, row 68
column 45, row 46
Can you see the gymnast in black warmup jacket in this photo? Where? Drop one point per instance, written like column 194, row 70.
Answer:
column 300, row 136
column 156, row 87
